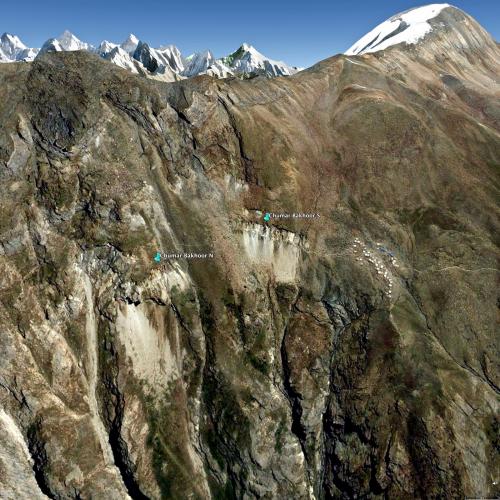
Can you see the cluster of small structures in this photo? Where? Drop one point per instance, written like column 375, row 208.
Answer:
column 380, row 266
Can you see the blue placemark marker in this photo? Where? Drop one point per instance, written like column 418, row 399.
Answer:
column 157, row 257
column 267, row 217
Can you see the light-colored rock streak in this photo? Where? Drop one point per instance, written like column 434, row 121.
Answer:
column 16, row 477
column 153, row 359
column 274, row 249
column 92, row 370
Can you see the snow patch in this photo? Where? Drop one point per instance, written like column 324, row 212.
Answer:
column 408, row 27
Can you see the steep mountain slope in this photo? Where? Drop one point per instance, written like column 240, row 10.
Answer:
column 106, row 47
column 348, row 355
column 50, row 45
column 130, row 44
column 11, row 46
column 204, row 63
column 447, row 26
column 12, row 49
column 164, row 59
column 408, row 27
column 70, row 42
column 122, row 59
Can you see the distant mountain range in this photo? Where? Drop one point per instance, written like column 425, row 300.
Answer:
column 168, row 64
column 165, row 62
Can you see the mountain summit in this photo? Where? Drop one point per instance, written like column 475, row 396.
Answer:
column 70, row 42
column 453, row 27
column 11, row 46
column 130, row 44
column 247, row 59
column 12, row 49
column 205, row 63
column 408, row 27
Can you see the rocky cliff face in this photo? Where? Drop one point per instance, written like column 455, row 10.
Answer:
column 349, row 355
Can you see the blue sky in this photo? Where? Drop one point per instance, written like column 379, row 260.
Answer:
column 299, row 34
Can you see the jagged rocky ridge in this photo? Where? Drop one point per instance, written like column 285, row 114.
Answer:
column 164, row 63
column 350, row 356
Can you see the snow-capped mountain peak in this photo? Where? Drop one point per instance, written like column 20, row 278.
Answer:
column 407, row 27
column 247, row 59
column 12, row 39
column 198, row 63
column 202, row 63
column 12, row 43
column 11, row 46
column 70, row 42
column 51, row 45
column 105, row 47
column 121, row 58
column 130, row 44
column 64, row 42
column 173, row 57
column 167, row 58
column 165, row 63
